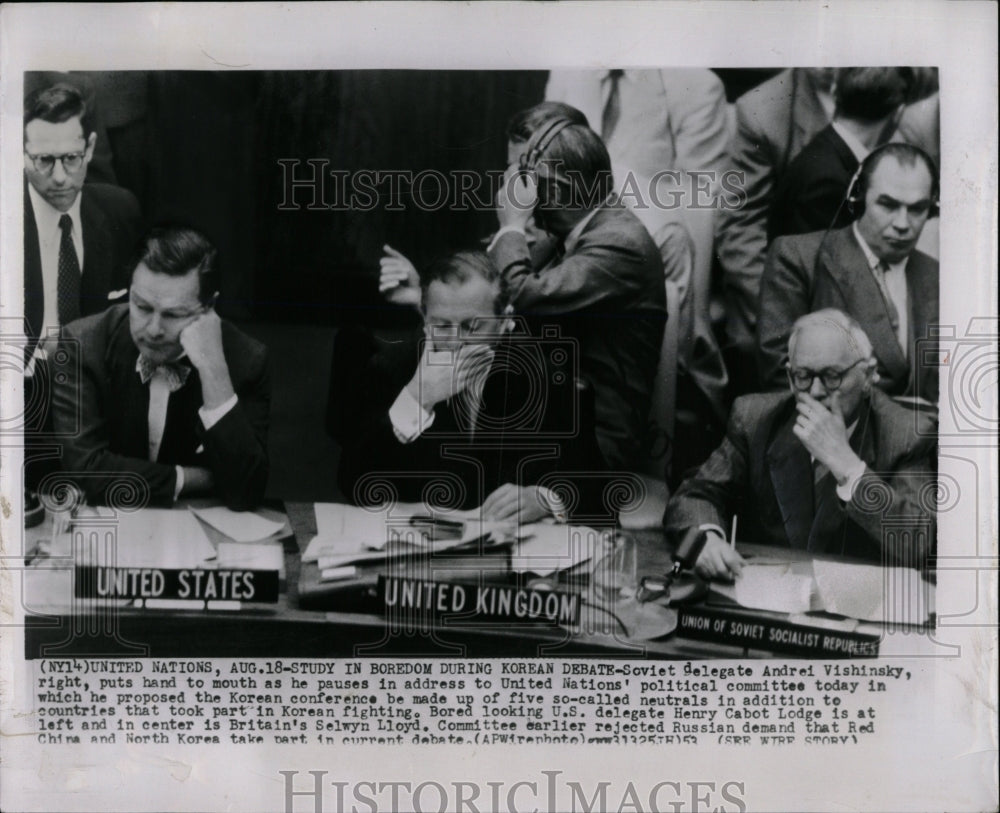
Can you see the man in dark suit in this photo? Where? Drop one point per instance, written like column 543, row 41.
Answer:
column 828, row 467
column 77, row 236
column 810, row 196
column 473, row 411
column 166, row 391
column 871, row 270
column 599, row 277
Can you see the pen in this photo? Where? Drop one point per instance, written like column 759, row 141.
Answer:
column 437, row 522
column 732, row 537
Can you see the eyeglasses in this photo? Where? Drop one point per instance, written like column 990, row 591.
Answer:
column 802, row 379
column 71, row 161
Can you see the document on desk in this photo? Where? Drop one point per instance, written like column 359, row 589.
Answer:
column 896, row 595
column 775, row 587
column 545, row 548
column 240, row 526
column 154, row 538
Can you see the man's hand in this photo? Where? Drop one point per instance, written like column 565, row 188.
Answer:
column 521, row 504
column 398, row 280
column 517, row 198
column 202, row 341
column 718, row 559
column 442, row 374
column 824, row 434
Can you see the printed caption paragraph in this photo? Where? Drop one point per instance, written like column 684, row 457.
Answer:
column 285, row 702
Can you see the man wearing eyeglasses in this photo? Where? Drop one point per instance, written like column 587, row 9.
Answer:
column 828, row 466
column 474, row 408
column 77, row 236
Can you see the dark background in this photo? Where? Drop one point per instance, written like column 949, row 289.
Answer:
column 204, row 147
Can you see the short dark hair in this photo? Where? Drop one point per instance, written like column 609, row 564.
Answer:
column 459, row 268
column 525, row 122
column 871, row 94
column 176, row 250
column 906, row 155
column 56, row 104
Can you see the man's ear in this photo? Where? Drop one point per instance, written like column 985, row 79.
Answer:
column 88, row 152
column 871, row 374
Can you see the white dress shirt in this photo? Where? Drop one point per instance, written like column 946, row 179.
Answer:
column 49, row 239
column 893, row 283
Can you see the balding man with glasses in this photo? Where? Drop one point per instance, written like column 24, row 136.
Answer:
column 832, row 466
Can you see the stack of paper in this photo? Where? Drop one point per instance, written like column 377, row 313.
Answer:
column 546, row 548
column 150, row 537
column 240, row 526
column 774, row 587
column 894, row 595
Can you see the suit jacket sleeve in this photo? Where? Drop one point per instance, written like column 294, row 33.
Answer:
column 697, row 101
column 594, row 273
column 742, row 238
column 236, row 445
column 79, row 416
column 897, row 498
column 784, row 297
column 711, row 495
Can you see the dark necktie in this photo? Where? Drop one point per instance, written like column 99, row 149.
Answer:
column 68, row 280
column 612, row 105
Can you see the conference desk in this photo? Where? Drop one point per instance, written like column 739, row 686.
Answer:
column 58, row 626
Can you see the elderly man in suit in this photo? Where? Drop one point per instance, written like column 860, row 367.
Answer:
column 824, row 467
column 166, row 390
column 871, row 270
column 474, row 409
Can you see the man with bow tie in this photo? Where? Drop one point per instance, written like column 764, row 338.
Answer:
column 831, row 465
column 163, row 388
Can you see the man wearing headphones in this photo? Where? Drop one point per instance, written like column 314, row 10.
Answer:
column 870, row 269
column 825, row 466
column 599, row 278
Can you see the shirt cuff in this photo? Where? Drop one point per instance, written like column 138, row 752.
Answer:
column 846, row 490
column 553, row 503
column 409, row 419
column 210, row 417
column 502, row 232
column 178, row 482
column 711, row 526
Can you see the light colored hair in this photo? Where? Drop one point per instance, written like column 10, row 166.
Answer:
column 854, row 334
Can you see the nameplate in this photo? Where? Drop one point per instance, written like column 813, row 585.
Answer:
column 760, row 632
column 259, row 586
column 478, row 603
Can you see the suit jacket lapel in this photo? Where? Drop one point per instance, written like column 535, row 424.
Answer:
column 829, row 529
column 34, row 290
column 922, row 281
column 97, row 257
column 808, row 115
column 791, row 475
column 847, row 265
column 129, row 397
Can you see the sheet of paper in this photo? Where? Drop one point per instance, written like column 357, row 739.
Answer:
column 776, row 588
column 151, row 537
column 895, row 595
column 251, row 556
column 240, row 526
column 546, row 548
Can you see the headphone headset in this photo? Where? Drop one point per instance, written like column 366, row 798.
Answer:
column 858, row 187
column 533, row 153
